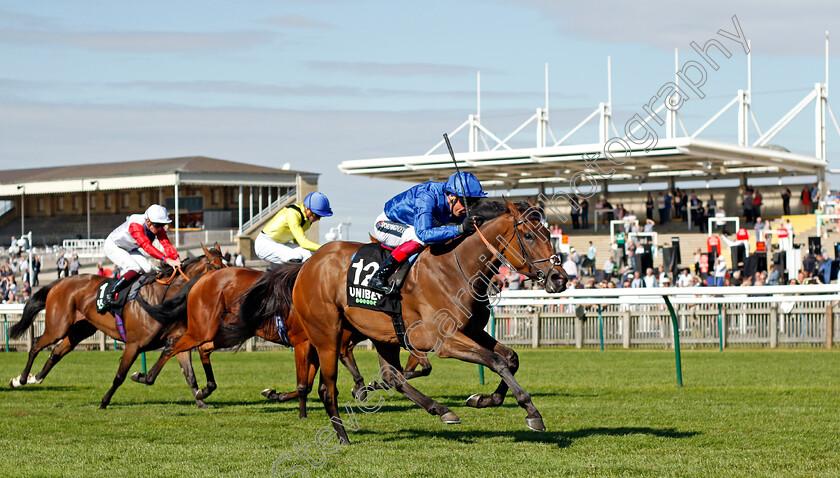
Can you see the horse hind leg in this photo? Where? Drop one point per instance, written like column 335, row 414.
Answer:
column 498, row 397
column 185, row 360
column 204, row 352
column 41, row 343
column 78, row 332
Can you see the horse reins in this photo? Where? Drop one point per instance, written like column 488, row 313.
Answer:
column 175, row 270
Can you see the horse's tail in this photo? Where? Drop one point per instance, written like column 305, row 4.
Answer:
column 270, row 296
column 171, row 310
column 34, row 305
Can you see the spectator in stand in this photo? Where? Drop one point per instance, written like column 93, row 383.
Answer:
column 759, row 226
column 227, row 257
column 815, row 198
column 660, row 201
column 748, row 204
column 239, row 260
column 665, row 282
column 786, row 194
column 36, row 269
column 650, row 279
column 513, row 280
column 649, row 225
column 584, row 213
column 805, row 200
column 668, row 202
column 575, row 212
column 736, row 279
column 824, row 269
column 720, row 271
column 649, row 206
column 609, row 268
column 684, row 279
column 711, row 206
column 100, row 271
column 74, row 265
column 756, row 203
column 637, row 281
column 61, row 264
column 699, row 215
column 570, row 267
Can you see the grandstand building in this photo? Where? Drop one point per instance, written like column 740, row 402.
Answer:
column 201, row 193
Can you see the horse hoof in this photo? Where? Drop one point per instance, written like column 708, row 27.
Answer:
column 200, row 404
column 535, row 424
column 137, row 376
column 15, row 382
column 34, row 380
column 474, row 400
column 268, row 392
column 360, row 394
column 450, row 418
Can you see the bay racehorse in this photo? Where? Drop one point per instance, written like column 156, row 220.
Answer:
column 210, row 309
column 445, row 306
column 71, row 316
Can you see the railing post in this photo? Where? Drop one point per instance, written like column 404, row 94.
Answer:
column 600, row 327
column 829, row 326
column 626, row 329
column 249, row 345
column 723, row 328
column 535, row 328
column 578, row 332
column 676, row 339
column 102, row 342
column 774, row 325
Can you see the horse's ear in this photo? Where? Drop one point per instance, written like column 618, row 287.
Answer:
column 206, row 252
column 511, row 207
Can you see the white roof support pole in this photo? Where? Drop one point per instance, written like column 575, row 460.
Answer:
column 743, row 117
column 604, row 124
column 250, row 202
column 819, row 120
column 177, row 228
column 671, row 116
column 473, row 133
column 241, row 218
column 542, row 123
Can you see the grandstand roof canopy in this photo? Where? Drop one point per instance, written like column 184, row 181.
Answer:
column 682, row 158
column 199, row 170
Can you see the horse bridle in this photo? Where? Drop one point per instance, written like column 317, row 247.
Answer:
column 538, row 276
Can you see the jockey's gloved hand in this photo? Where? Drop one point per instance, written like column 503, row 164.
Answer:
column 469, row 225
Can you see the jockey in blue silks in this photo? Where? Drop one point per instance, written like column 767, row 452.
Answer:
column 428, row 213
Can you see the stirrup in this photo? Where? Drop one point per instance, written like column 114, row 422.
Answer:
column 385, row 289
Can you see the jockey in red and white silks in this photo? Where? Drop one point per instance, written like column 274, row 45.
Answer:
column 124, row 243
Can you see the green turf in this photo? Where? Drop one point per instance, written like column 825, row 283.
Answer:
column 613, row 413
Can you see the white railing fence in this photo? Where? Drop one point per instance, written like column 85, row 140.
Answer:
column 769, row 316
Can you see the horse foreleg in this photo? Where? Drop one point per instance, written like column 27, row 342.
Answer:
column 128, row 357
column 150, row 377
column 204, row 352
column 392, row 376
column 78, row 332
column 464, row 348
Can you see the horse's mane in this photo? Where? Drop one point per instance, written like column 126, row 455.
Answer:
column 487, row 210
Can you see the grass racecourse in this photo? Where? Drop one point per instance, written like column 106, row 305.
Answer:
column 612, row 413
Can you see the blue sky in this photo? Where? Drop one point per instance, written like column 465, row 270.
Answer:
column 314, row 83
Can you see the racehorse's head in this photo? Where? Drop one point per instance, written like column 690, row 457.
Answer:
column 213, row 258
column 530, row 250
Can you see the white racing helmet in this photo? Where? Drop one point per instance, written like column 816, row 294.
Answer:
column 158, row 214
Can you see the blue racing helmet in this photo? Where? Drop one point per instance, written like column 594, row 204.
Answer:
column 318, row 203
column 458, row 181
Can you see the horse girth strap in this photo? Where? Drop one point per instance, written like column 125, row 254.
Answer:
column 175, row 271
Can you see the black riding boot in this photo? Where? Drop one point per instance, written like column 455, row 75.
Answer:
column 117, row 286
column 380, row 282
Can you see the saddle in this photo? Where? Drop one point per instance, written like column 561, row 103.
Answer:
column 364, row 263
column 120, row 299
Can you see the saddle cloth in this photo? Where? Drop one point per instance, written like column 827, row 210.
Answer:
column 363, row 265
